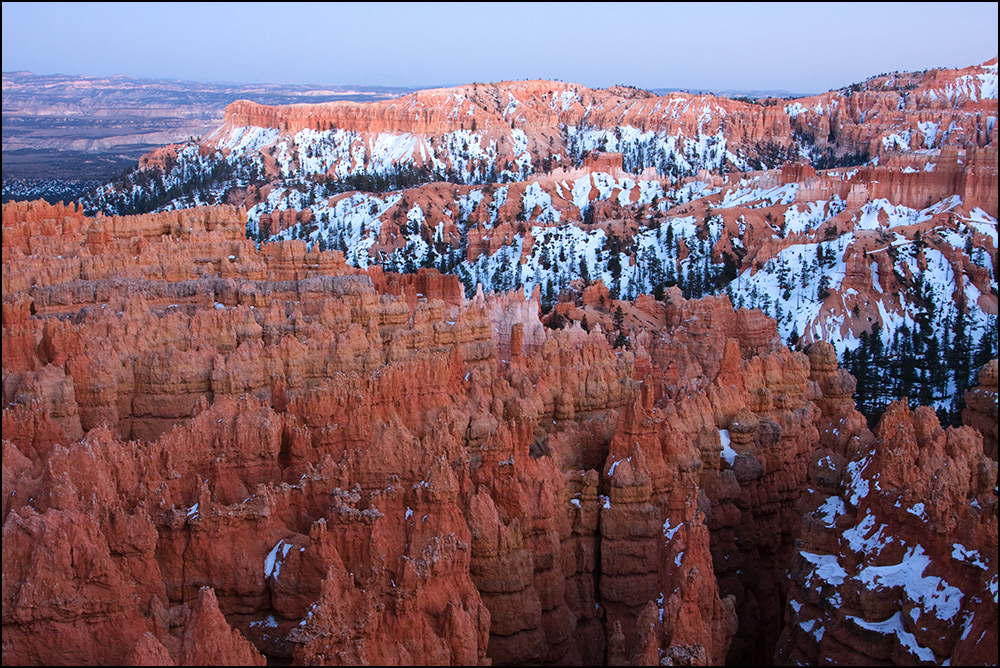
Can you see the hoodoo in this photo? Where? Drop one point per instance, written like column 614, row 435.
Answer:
column 517, row 373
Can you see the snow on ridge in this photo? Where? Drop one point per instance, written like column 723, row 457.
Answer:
column 352, row 223
column 918, row 510
column 668, row 153
column 669, row 531
column 929, row 129
column 856, row 485
column 783, row 194
column 984, row 224
column 727, row 451
column 274, row 558
column 247, row 139
column 897, row 215
column 826, row 568
column 270, row 622
column 982, row 86
column 899, row 141
column 960, row 553
column 931, row 593
column 828, row 512
column 911, row 574
column 581, row 192
column 793, row 110
column 568, row 99
column 894, row 626
column 310, row 153
column 614, row 465
column 788, row 289
column 535, row 197
column 802, row 218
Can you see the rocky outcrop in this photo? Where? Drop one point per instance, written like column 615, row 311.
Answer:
column 208, row 640
column 512, row 495
column 754, row 425
column 896, row 537
column 877, row 244
column 68, row 598
column 845, row 121
column 215, row 450
column 981, row 408
column 278, row 454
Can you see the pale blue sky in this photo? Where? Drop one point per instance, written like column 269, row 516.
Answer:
column 801, row 48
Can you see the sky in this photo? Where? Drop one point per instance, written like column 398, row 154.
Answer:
column 795, row 47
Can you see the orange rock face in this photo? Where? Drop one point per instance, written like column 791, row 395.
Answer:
column 218, row 454
column 582, row 184
column 851, row 121
column 981, row 408
column 898, row 548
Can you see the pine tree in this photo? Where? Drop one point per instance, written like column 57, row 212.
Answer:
column 860, row 368
column 878, row 372
column 615, row 266
column 549, row 299
column 621, row 341
column 987, row 348
column 958, row 355
column 823, row 289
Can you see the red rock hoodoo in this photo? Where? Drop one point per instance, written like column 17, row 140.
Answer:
column 215, row 452
column 268, row 447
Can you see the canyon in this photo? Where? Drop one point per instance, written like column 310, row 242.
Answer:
column 186, row 477
column 515, row 373
column 865, row 216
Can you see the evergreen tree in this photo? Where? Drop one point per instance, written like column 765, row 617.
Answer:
column 621, row 341
column 860, row 368
column 615, row 266
column 987, row 348
column 793, row 339
column 823, row 289
column 957, row 356
column 549, row 297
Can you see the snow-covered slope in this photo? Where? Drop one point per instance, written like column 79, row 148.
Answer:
column 501, row 133
column 889, row 255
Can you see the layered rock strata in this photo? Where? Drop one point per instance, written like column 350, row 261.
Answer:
column 342, row 466
column 346, row 474
column 886, row 114
column 981, row 408
column 896, row 563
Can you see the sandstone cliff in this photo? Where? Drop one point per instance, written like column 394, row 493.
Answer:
column 348, row 467
column 897, row 557
column 207, row 444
